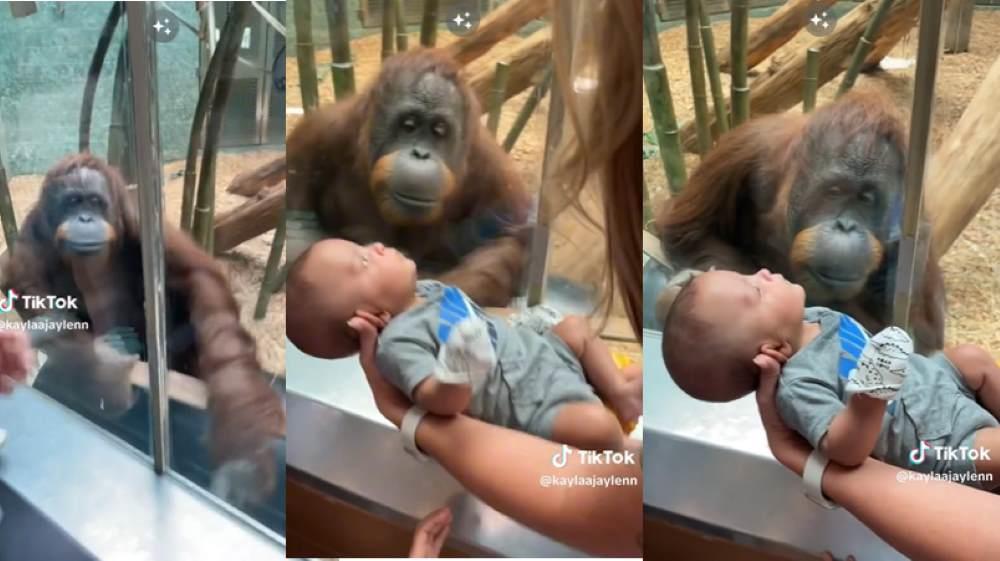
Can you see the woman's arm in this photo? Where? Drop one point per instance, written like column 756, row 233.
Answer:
column 504, row 468
column 923, row 519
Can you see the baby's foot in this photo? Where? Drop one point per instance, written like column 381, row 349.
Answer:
column 881, row 369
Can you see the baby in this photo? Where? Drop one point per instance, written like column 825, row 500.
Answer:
column 849, row 394
column 450, row 357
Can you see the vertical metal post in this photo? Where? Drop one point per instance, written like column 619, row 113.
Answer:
column 212, row 38
column 149, row 174
column 541, row 237
column 914, row 250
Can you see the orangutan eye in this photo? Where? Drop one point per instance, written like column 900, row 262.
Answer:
column 409, row 124
column 867, row 197
column 440, row 129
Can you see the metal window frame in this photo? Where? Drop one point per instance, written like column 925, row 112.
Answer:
column 914, row 248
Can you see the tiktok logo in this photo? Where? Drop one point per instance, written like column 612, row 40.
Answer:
column 7, row 302
column 560, row 458
column 917, row 457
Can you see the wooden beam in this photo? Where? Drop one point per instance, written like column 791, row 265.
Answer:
column 249, row 220
column 249, row 183
column 965, row 168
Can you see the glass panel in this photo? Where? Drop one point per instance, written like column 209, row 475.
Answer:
column 217, row 353
column 64, row 246
column 232, row 414
column 402, row 162
column 773, row 160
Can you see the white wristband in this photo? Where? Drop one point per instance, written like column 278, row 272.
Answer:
column 812, row 476
column 408, row 429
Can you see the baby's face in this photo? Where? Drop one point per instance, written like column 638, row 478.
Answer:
column 384, row 278
column 763, row 305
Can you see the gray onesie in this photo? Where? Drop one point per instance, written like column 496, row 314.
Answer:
column 934, row 406
column 535, row 374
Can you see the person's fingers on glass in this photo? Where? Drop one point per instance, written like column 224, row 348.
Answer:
column 16, row 358
column 7, row 384
column 431, row 533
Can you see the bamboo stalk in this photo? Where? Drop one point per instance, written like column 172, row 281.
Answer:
column 499, row 94
column 402, row 39
column 121, row 149
column 740, row 21
column 94, row 73
column 228, row 49
column 695, row 59
column 387, row 28
column 341, row 67
column 306, row 54
column 660, row 101
column 864, row 47
column 537, row 93
column 712, row 66
column 428, row 24
column 811, row 80
column 194, row 139
column 7, row 217
column 268, row 285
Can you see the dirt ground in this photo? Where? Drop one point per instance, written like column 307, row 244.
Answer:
column 972, row 265
column 573, row 240
column 245, row 264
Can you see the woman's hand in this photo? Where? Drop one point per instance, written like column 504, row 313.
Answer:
column 787, row 445
column 16, row 359
column 391, row 402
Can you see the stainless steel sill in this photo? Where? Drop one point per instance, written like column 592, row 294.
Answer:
column 106, row 497
column 337, row 436
column 707, row 466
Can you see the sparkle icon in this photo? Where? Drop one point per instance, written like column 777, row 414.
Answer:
column 158, row 26
column 463, row 20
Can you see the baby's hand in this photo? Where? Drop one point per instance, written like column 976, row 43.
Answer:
column 881, row 369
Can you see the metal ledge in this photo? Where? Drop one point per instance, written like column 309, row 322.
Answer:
column 107, row 497
column 707, row 466
column 338, row 437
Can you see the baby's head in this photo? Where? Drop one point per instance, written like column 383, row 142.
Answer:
column 720, row 321
column 334, row 279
